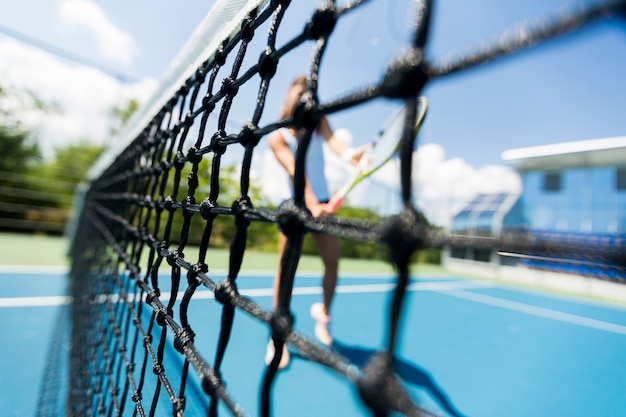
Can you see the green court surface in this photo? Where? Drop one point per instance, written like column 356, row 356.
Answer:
column 42, row 250
column 33, row 250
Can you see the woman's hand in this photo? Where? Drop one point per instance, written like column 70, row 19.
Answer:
column 354, row 155
column 320, row 209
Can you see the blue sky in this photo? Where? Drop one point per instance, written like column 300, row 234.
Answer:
column 569, row 89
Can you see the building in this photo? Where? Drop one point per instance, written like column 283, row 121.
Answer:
column 574, row 187
column 572, row 192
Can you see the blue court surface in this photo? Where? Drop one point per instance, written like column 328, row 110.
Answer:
column 468, row 347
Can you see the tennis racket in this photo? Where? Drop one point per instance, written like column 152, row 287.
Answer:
column 378, row 153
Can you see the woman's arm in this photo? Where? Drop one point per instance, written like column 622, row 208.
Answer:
column 287, row 160
column 338, row 146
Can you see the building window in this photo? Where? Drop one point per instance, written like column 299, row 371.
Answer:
column 552, row 181
column 620, row 179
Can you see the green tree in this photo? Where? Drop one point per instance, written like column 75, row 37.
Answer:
column 19, row 156
column 17, row 146
column 121, row 116
column 261, row 236
column 71, row 163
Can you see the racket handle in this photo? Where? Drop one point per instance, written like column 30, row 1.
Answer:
column 335, row 202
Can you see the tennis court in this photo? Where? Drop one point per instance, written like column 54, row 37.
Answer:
column 158, row 201
column 469, row 347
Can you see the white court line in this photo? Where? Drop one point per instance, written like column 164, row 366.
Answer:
column 262, row 292
column 539, row 311
column 34, row 269
column 222, row 273
column 348, row 289
column 35, row 301
column 455, row 289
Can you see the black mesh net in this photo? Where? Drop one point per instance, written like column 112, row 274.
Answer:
column 138, row 215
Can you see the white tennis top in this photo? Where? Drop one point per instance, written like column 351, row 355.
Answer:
column 314, row 169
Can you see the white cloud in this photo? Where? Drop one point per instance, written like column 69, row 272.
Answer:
column 444, row 186
column 113, row 43
column 83, row 95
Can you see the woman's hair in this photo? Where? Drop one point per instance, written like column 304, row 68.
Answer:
column 289, row 107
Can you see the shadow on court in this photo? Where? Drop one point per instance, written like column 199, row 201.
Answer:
column 407, row 371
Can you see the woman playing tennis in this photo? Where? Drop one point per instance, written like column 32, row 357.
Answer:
column 283, row 143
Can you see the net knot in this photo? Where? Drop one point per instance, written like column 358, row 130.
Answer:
column 247, row 29
column 200, row 75
column 216, row 142
column 405, row 233
column 406, row 76
column 240, row 207
column 151, row 296
column 193, row 155
column 322, row 22
column 206, row 209
column 194, row 271
column 160, row 316
column 158, row 369
column 183, row 337
column 281, row 323
column 376, row 383
column 179, row 160
column 136, row 396
column 291, row 218
column 173, row 257
column 247, row 135
column 189, row 201
column 229, row 87
column 188, row 119
column 159, row 203
column 220, row 55
column 168, row 204
column 305, row 114
column 225, row 291
column 211, row 381
column 268, row 63
column 178, row 406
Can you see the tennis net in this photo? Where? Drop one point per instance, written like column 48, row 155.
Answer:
column 145, row 197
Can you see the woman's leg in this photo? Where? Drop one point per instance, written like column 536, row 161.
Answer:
column 282, row 241
column 329, row 250
column 328, row 247
column 269, row 353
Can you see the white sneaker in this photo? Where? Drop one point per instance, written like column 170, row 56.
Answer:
column 322, row 324
column 269, row 355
